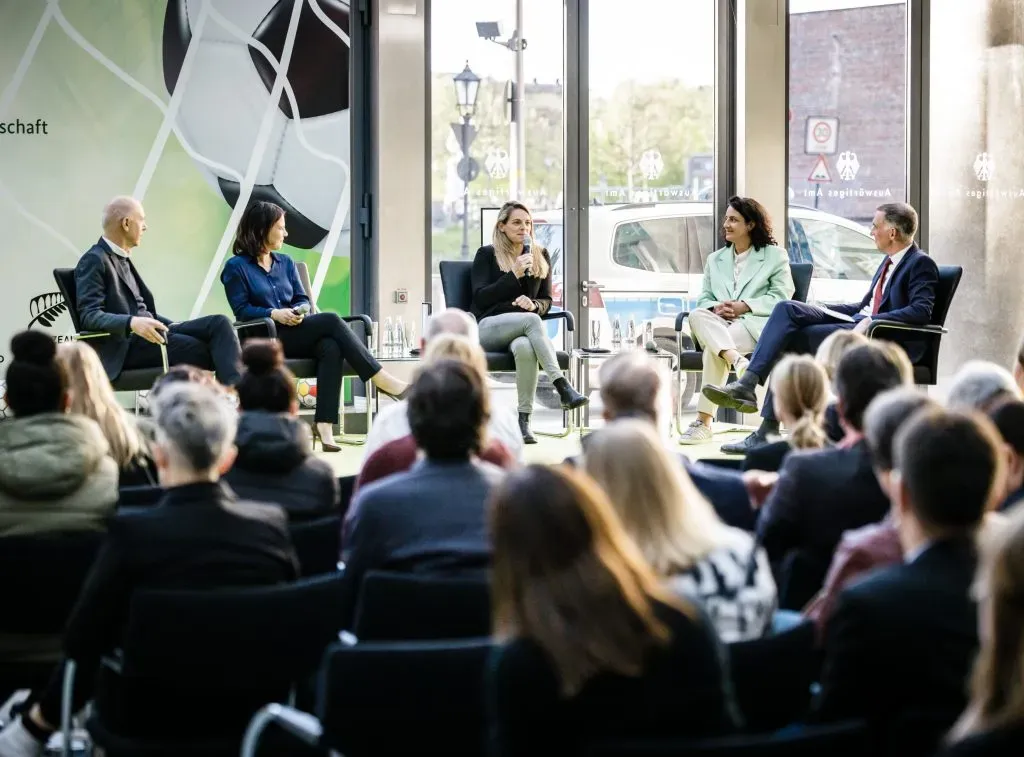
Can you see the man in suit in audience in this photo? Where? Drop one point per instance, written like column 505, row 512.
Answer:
column 431, row 519
column 823, row 493
column 903, row 290
column 112, row 298
column 904, row 638
column 198, row 537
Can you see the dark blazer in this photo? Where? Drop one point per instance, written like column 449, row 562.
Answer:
column 106, row 303
column 903, row 639
column 999, row 742
column 908, row 298
column 820, row 495
column 684, row 692
column 495, row 290
column 199, row 536
column 431, row 519
column 276, row 464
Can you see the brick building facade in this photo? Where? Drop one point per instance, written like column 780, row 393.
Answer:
column 850, row 64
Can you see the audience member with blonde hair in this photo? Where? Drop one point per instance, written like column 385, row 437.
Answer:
column 679, row 532
column 993, row 723
column 801, row 395
column 593, row 646
column 392, row 422
column 400, row 454
column 829, row 353
column 92, row 396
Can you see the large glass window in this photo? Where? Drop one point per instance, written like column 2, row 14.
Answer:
column 847, row 105
column 976, row 171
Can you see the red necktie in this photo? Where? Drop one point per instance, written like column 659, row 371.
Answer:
column 881, row 283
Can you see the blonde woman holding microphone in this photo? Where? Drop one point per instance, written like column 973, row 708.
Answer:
column 511, row 291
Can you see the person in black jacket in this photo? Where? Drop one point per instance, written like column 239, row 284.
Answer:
column 903, row 639
column 591, row 647
column 993, row 723
column 198, row 537
column 511, row 291
column 275, row 461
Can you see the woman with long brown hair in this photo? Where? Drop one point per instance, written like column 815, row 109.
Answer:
column 993, row 723
column 511, row 291
column 593, row 647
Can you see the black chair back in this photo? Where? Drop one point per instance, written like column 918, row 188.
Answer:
column 949, row 281
column 318, row 544
column 802, row 273
column 772, row 677
column 41, row 576
column 346, row 485
column 405, row 607
column 852, row 739
column 405, row 698
column 65, row 278
column 457, row 284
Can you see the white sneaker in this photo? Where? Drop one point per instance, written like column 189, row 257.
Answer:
column 740, row 367
column 15, row 741
column 16, row 698
column 696, row 433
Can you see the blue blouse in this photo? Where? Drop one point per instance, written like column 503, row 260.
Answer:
column 253, row 292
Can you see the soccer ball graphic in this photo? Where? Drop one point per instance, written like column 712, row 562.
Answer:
column 225, row 86
column 3, row 400
column 306, row 389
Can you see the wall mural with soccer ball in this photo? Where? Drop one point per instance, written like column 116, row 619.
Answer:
column 193, row 106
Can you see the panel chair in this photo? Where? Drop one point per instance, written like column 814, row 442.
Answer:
column 133, row 380
column 457, row 285
column 926, row 370
column 306, row 367
column 691, row 358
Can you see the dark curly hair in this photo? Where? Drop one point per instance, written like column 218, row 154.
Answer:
column 257, row 221
column 754, row 212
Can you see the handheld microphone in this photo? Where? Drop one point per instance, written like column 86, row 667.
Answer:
column 527, row 247
column 302, row 309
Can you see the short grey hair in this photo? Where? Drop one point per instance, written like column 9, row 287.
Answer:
column 452, row 321
column 118, row 209
column 902, row 217
column 978, row 383
column 196, row 422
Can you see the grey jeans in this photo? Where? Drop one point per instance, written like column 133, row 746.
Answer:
column 524, row 335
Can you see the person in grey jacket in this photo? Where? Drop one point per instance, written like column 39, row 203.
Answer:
column 56, row 473
column 275, row 460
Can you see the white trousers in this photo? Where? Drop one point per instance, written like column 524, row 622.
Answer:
column 717, row 335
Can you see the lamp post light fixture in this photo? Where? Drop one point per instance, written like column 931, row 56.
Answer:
column 467, row 87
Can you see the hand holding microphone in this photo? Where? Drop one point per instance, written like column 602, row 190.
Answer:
column 524, row 262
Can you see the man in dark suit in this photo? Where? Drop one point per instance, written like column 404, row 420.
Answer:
column 821, row 494
column 112, row 298
column 199, row 537
column 904, row 639
column 431, row 519
column 903, row 290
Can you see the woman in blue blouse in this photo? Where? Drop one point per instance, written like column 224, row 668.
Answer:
column 263, row 283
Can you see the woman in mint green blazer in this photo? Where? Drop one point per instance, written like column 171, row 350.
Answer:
column 743, row 281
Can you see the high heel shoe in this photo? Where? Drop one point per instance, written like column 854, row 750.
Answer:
column 396, row 397
column 325, row 446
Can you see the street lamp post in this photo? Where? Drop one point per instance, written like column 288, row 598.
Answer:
column 467, row 87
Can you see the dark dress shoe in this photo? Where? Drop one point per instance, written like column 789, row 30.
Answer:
column 756, row 439
column 734, row 396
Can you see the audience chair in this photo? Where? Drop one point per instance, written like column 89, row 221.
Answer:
column 772, row 677
column 691, row 354
column 392, row 699
column 406, row 607
column 306, row 367
column 132, row 380
column 318, row 544
column 852, row 739
column 346, row 485
column 220, row 654
column 926, row 370
column 457, row 285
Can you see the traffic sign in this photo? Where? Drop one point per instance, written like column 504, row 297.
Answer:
column 822, row 135
column 820, row 173
column 468, row 169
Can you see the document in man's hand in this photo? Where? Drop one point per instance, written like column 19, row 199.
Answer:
column 830, row 312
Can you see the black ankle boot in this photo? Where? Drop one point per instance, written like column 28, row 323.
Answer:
column 571, row 399
column 524, row 429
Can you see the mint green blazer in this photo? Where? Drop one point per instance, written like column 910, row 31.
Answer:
column 765, row 281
